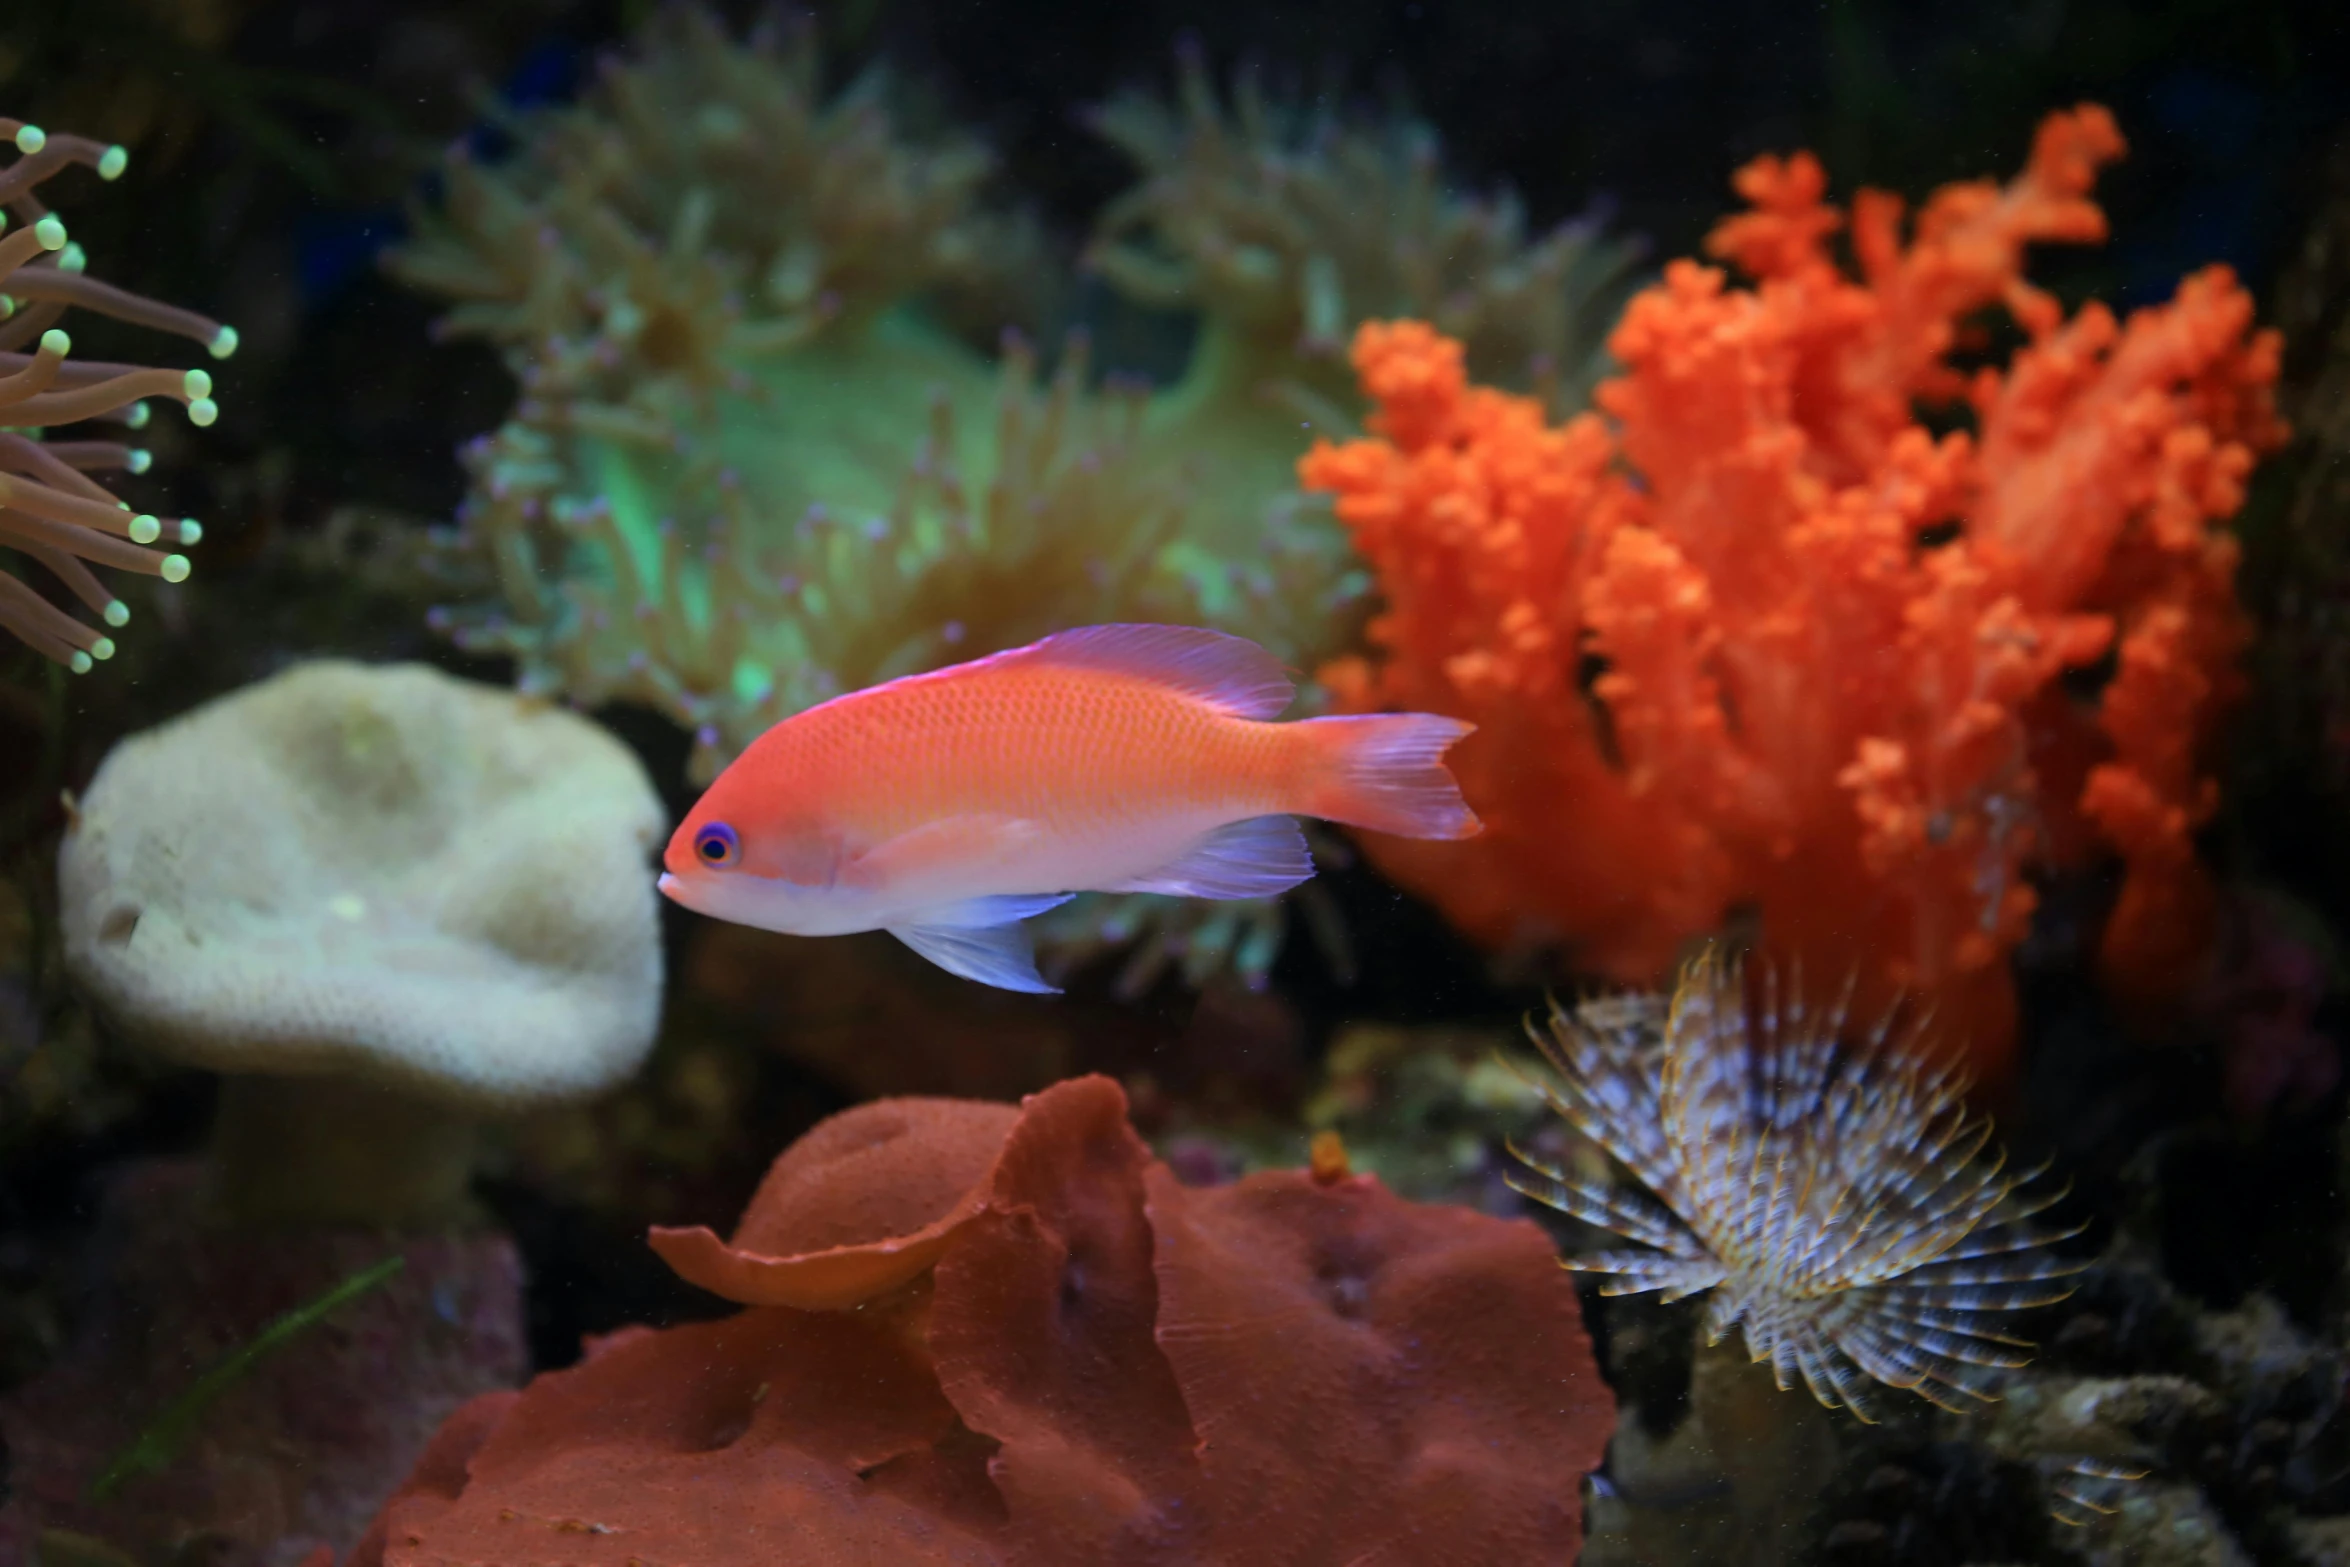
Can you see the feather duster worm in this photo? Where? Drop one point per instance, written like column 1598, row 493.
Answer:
column 51, row 511
column 1834, row 1196
column 1820, row 1180
column 1758, row 639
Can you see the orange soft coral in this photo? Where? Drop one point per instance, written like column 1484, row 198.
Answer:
column 1754, row 638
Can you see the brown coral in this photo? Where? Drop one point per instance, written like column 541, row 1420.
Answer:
column 1096, row 1364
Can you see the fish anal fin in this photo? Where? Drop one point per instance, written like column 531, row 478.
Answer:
column 998, row 955
column 982, row 913
column 1226, row 672
column 963, row 842
column 1261, row 857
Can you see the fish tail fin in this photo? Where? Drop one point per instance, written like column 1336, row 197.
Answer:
column 1385, row 772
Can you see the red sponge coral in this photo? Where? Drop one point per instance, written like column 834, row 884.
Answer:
column 980, row 1335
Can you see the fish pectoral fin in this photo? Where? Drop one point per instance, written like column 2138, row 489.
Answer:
column 1261, row 857
column 998, row 955
column 960, row 841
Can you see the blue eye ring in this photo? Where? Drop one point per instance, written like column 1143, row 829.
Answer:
column 716, row 846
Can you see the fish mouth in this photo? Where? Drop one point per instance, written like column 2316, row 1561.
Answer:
column 771, row 903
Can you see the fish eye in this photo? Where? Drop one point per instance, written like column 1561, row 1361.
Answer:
column 716, row 845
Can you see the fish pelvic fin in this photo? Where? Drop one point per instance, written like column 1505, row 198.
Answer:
column 1261, row 857
column 1385, row 772
column 982, row 939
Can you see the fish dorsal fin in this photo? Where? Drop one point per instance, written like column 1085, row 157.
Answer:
column 1226, row 672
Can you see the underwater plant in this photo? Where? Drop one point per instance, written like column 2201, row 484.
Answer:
column 753, row 464
column 198, row 1362
column 52, row 512
column 1760, row 641
column 1825, row 1186
column 976, row 1333
column 161, row 1440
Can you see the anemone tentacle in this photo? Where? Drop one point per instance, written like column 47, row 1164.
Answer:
column 51, row 512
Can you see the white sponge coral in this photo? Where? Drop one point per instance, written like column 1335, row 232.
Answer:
column 380, row 875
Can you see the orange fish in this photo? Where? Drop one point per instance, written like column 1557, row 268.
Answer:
column 947, row 807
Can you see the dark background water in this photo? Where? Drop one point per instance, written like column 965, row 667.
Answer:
column 293, row 130
column 275, row 143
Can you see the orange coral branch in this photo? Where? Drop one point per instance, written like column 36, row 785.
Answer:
column 1761, row 640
